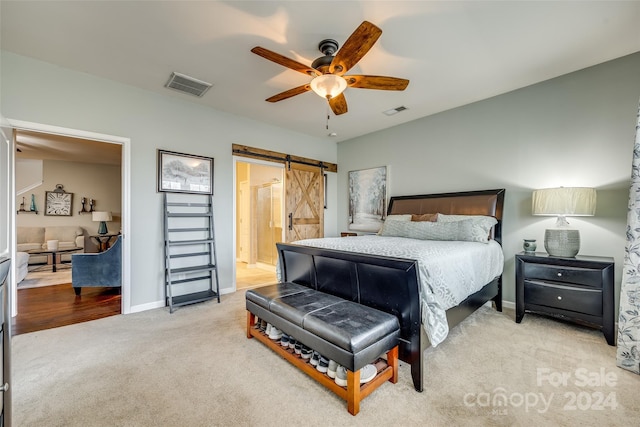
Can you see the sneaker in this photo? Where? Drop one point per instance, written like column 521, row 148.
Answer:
column 292, row 343
column 323, row 364
column 275, row 333
column 315, row 357
column 268, row 329
column 341, row 376
column 257, row 324
column 298, row 347
column 367, row 373
column 331, row 369
column 306, row 352
column 263, row 325
column 284, row 341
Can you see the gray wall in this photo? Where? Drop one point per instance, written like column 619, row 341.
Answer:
column 39, row 92
column 575, row 130
column 90, row 180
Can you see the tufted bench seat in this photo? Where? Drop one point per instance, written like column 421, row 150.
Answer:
column 349, row 333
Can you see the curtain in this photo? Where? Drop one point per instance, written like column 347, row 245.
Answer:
column 629, row 321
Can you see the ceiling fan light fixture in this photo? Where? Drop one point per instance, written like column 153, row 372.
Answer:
column 328, row 85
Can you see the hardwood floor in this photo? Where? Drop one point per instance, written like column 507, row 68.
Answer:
column 252, row 277
column 53, row 306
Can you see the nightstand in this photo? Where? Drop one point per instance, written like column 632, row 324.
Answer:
column 578, row 289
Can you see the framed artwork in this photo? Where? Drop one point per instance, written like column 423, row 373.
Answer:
column 58, row 202
column 184, row 173
column 367, row 199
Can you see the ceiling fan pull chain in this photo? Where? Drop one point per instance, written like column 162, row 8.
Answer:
column 328, row 115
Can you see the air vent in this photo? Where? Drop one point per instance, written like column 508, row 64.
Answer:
column 187, row 84
column 395, row 110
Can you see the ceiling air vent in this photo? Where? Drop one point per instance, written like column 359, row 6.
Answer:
column 395, row 110
column 187, row 84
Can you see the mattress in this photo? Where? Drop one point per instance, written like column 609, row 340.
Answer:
column 448, row 271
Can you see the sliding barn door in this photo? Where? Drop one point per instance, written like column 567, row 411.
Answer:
column 304, row 202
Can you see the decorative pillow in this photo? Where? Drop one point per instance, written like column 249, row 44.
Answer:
column 425, row 217
column 395, row 218
column 485, row 221
column 464, row 230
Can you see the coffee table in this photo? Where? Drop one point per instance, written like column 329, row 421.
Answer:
column 53, row 253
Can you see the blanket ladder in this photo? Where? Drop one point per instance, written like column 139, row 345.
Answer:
column 191, row 266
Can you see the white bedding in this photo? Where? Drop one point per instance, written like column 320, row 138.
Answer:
column 449, row 271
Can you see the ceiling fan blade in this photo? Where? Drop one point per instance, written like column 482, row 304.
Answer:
column 356, row 46
column 289, row 93
column 284, row 61
column 338, row 104
column 377, row 82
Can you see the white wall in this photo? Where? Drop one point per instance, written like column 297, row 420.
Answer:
column 575, row 130
column 39, row 92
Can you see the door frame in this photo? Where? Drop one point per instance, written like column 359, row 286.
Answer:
column 126, row 198
column 236, row 160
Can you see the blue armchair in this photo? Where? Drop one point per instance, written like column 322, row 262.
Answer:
column 103, row 269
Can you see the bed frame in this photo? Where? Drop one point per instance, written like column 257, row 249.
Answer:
column 367, row 279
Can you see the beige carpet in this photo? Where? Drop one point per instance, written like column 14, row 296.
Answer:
column 196, row 368
column 43, row 276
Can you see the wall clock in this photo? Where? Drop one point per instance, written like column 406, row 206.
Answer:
column 58, row 202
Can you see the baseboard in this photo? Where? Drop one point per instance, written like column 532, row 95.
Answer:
column 162, row 303
column 147, row 306
column 509, row 304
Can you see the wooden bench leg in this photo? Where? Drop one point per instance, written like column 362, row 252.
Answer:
column 392, row 360
column 353, row 392
column 251, row 320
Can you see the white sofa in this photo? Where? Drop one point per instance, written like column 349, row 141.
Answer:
column 22, row 266
column 29, row 238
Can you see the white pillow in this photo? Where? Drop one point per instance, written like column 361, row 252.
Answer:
column 463, row 230
column 395, row 218
column 483, row 220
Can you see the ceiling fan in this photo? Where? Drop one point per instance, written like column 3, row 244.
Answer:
column 328, row 71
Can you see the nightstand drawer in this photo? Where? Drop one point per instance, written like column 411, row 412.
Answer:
column 587, row 301
column 574, row 275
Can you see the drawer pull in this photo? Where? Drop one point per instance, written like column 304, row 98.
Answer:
column 559, row 274
column 559, row 297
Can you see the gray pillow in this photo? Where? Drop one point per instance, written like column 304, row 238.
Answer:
column 468, row 230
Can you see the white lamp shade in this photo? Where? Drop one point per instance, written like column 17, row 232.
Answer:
column 564, row 201
column 328, row 85
column 101, row 216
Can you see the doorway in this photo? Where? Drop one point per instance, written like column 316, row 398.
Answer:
column 259, row 221
column 118, row 207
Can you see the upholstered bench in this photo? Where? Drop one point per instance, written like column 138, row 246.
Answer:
column 349, row 333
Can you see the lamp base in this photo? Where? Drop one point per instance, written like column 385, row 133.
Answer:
column 562, row 242
column 102, row 228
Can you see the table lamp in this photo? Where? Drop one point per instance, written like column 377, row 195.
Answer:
column 102, row 217
column 562, row 240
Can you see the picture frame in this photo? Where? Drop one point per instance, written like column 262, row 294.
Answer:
column 58, row 202
column 184, row 173
column 367, row 199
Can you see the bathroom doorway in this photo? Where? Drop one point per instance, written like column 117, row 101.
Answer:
column 259, row 221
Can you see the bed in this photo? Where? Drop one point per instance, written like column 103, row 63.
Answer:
column 395, row 279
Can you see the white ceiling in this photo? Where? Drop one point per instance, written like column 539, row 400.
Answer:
column 42, row 146
column 453, row 52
